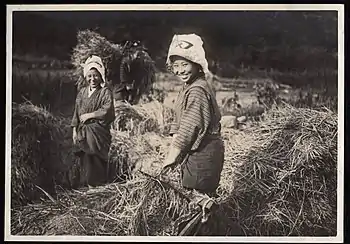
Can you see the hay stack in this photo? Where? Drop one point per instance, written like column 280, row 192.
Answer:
column 91, row 43
column 37, row 138
column 150, row 151
column 141, row 206
column 237, row 144
column 138, row 207
column 142, row 118
column 286, row 183
column 128, row 154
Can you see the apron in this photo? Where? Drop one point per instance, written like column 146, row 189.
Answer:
column 202, row 168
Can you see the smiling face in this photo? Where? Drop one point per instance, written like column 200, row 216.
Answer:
column 184, row 69
column 94, row 78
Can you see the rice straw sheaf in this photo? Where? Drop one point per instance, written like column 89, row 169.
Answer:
column 121, row 161
column 237, row 143
column 139, row 119
column 129, row 154
column 286, row 183
column 150, row 151
column 91, row 43
column 36, row 152
column 140, row 206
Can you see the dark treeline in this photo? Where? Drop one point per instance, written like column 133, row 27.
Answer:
column 285, row 41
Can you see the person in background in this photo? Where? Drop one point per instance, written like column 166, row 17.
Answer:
column 126, row 88
column 197, row 141
column 93, row 115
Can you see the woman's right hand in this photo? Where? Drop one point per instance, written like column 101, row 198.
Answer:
column 75, row 137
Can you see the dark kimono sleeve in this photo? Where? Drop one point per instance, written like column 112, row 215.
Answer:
column 106, row 111
column 75, row 120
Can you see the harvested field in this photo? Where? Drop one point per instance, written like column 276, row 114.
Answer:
column 279, row 179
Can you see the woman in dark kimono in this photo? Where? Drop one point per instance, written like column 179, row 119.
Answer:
column 196, row 134
column 93, row 115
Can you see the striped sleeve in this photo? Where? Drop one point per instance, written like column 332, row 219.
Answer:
column 195, row 120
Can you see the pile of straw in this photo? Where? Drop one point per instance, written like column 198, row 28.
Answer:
column 279, row 178
column 91, row 43
column 132, row 208
column 120, row 163
column 130, row 153
column 139, row 119
column 286, row 182
column 141, row 206
column 36, row 152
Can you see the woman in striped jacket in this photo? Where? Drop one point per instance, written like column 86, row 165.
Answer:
column 196, row 134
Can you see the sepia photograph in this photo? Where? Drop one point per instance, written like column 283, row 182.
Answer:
column 175, row 122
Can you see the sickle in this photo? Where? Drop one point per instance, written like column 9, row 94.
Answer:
column 195, row 220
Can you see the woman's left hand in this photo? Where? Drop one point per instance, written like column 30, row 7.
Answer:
column 85, row 117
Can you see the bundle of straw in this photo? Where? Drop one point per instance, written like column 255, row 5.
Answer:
column 130, row 153
column 37, row 138
column 142, row 118
column 138, row 207
column 150, row 150
column 121, row 162
column 141, row 206
column 91, row 43
column 286, row 183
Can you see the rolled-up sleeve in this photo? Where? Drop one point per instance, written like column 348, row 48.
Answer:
column 195, row 120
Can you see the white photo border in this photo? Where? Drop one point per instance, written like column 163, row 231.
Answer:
column 175, row 7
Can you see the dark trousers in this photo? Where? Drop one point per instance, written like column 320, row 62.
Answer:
column 93, row 170
column 202, row 169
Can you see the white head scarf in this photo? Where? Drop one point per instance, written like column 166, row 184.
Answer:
column 190, row 47
column 95, row 62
